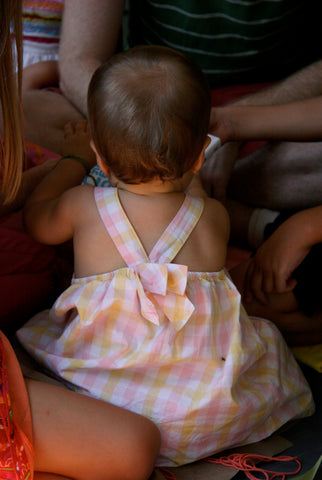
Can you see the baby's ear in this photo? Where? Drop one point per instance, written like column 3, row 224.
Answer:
column 99, row 160
column 199, row 162
column 93, row 147
column 105, row 169
column 197, row 165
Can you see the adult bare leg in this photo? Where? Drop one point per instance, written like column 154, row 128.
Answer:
column 78, row 437
column 282, row 175
column 45, row 115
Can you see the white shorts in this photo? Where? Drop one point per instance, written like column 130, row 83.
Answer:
column 34, row 52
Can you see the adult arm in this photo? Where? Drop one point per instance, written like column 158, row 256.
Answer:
column 304, row 84
column 270, row 270
column 294, row 121
column 89, row 37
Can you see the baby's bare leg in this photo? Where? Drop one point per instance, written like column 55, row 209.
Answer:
column 81, row 438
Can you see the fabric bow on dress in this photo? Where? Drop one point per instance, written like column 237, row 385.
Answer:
column 166, row 283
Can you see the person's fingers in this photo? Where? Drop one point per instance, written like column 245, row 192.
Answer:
column 257, row 286
column 268, row 283
column 68, row 129
column 254, row 284
column 81, row 126
column 247, row 289
column 285, row 284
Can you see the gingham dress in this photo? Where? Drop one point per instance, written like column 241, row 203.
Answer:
column 173, row 345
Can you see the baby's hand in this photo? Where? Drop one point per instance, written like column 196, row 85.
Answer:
column 77, row 141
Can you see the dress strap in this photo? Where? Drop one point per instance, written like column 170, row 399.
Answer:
column 161, row 285
column 178, row 231
column 125, row 238
column 119, row 227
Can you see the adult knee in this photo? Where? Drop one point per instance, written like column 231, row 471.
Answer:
column 140, row 458
column 137, row 453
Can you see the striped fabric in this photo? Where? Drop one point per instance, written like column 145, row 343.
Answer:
column 41, row 21
column 41, row 24
column 173, row 345
column 233, row 41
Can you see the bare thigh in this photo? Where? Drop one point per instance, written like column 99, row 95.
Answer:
column 281, row 175
column 45, row 114
column 81, row 438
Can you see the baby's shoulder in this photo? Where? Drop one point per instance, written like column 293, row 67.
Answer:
column 216, row 213
column 79, row 194
column 215, row 205
column 208, row 241
column 79, row 201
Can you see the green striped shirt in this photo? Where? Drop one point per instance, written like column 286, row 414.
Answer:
column 233, row 41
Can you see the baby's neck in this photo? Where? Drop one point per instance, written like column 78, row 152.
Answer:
column 154, row 187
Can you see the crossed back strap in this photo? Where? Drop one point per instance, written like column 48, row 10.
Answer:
column 125, row 238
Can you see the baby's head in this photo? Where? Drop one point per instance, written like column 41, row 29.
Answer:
column 149, row 113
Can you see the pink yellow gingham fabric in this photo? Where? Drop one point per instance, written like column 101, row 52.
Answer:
column 172, row 345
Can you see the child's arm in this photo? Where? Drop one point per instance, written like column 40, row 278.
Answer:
column 40, row 75
column 30, row 179
column 52, row 209
column 270, row 270
column 295, row 121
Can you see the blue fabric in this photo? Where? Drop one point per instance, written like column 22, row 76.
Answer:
column 96, row 178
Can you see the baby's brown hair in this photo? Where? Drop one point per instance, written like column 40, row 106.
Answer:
column 149, row 111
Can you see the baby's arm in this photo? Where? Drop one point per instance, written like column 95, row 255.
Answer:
column 270, row 270
column 53, row 209
column 30, row 179
column 40, row 75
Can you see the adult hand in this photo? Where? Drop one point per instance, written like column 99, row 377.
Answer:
column 271, row 269
column 216, row 171
column 220, row 124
